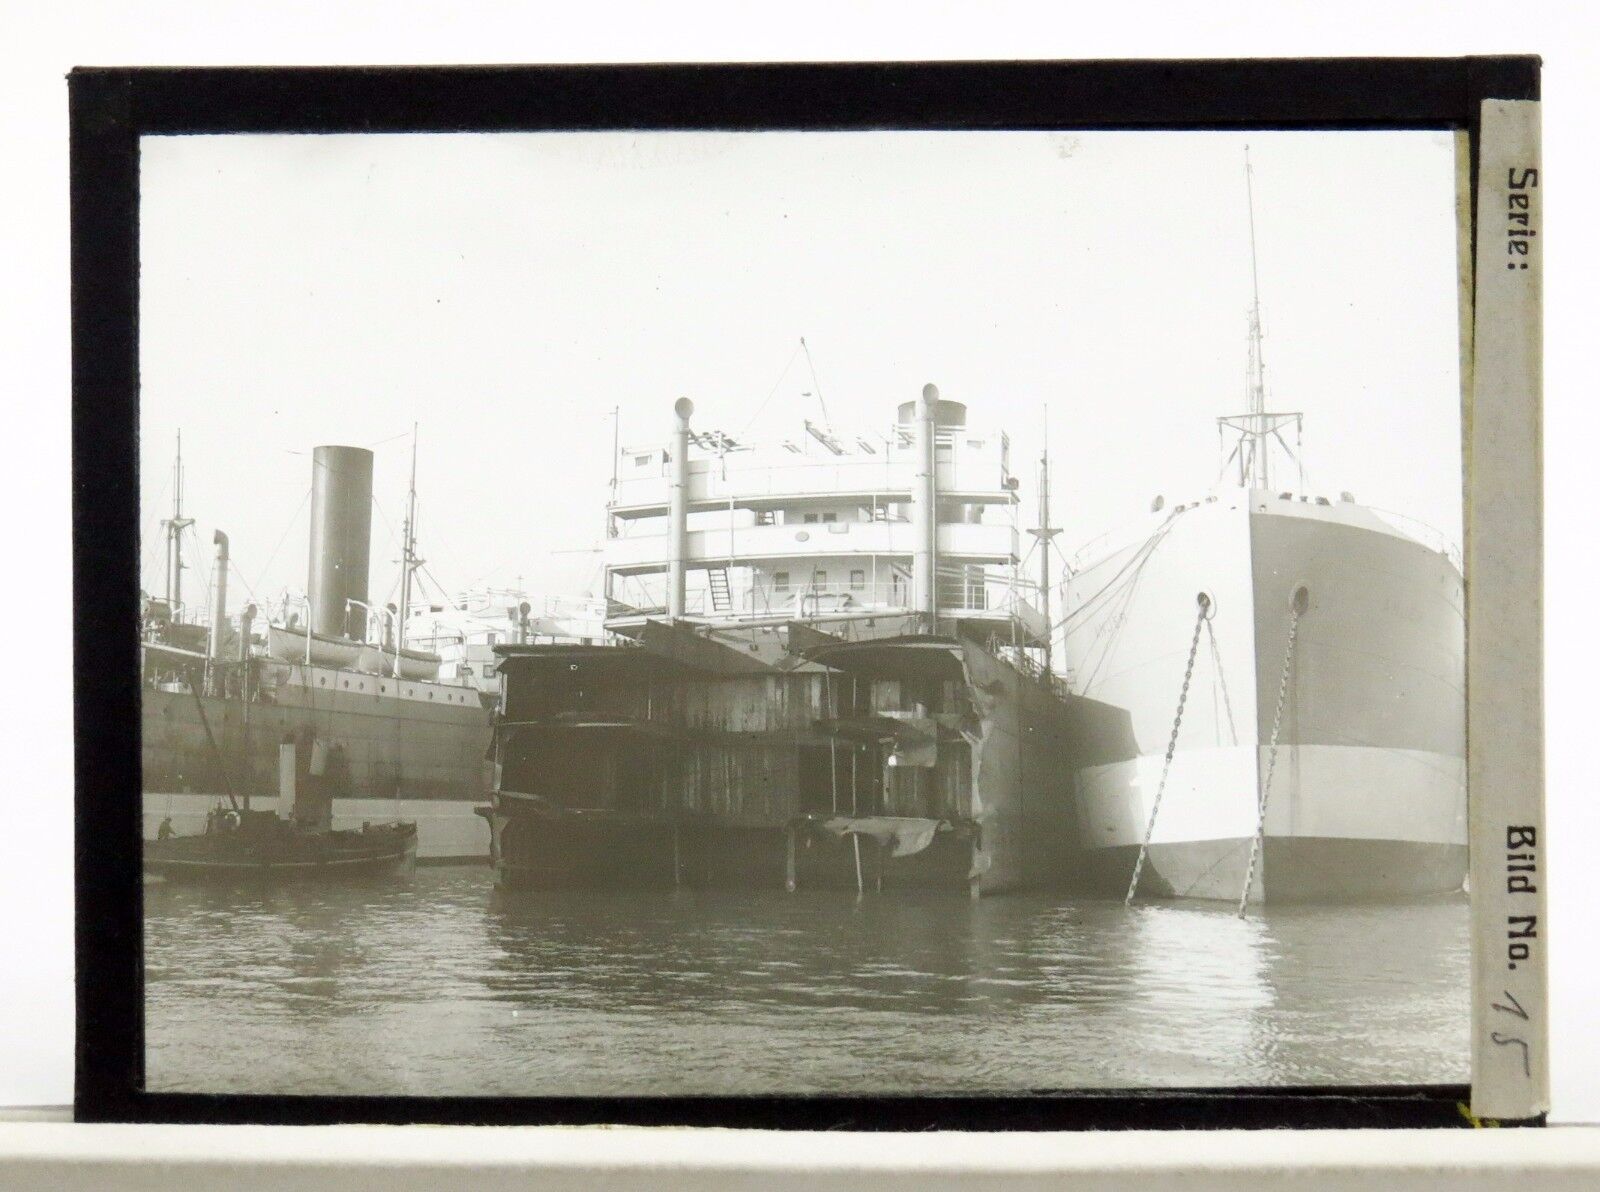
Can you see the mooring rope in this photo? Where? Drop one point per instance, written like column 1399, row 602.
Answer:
column 1296, row 607
column 1204, row 602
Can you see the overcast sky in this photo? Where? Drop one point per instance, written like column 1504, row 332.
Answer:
column 506, row 291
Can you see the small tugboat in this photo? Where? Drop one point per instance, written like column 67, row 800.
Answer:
column 296, row 839
column 238, row 844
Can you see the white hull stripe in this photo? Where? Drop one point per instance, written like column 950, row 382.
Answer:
column 1325, row 791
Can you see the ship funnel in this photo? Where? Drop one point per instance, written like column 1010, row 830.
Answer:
column 924, row 508
column 678, row 506
column 219, row 597
column 341, row 540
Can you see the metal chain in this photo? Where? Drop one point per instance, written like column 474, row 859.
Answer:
column 1172, row 746
column 1256, row 841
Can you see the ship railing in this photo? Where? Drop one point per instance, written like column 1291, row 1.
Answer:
column 1429, row 535
column 168, row 668
column 957, row 596
column 967, row 469
column 1031, row 664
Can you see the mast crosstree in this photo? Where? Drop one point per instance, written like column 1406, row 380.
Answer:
column 174, row 527
column 1256, row 430
column 409, row 562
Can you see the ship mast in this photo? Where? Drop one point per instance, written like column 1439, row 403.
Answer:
column 1260, row 475
column 174, row 527
column 1255, row 429
column 1044, row 533
column 409, row 562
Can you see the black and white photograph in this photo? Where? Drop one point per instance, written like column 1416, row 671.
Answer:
column 673, row 613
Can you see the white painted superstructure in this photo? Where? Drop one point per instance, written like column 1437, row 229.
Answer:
column 822, row 523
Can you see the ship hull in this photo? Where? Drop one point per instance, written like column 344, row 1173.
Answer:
column 403, row 749
column 1297, row 869
column 1367, row 794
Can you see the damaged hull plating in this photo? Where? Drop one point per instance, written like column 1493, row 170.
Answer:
column 909, row 761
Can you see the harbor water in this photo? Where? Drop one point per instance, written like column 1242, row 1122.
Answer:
column 437, row 984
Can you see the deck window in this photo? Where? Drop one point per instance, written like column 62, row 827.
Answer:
column 780, row 581
column 858, row 580
column 819, row 579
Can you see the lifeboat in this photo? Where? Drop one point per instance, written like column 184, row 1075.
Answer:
column 419, row 665
column 288, row 644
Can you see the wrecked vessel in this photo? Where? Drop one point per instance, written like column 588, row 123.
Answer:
column 852, row 691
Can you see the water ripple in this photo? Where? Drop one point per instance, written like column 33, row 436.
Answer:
column 443, row 985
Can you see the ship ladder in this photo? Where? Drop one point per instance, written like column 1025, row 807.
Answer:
column 721, row 594
column 1204, row 603
column 1297, row 607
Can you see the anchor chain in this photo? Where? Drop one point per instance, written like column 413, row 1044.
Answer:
column 1296, row 607
column 1204, row 602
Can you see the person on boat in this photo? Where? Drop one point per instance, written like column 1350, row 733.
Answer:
column 164, row 832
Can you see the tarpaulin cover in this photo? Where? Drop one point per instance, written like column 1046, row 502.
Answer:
column 904, row 836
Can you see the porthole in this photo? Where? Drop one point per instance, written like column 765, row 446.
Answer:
column 347, row 684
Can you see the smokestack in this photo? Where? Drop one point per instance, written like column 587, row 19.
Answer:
column 678, row 506
column 924, row 509
column 341, row 539
column 219, row 602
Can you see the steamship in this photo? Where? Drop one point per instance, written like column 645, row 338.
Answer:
column 824, row 669
column 1293, row 666
column 338, row 678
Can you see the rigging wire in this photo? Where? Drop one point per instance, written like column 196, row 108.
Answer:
column 254, row 599
column 293, row 519
column 1110, row 629
column 149, row 540
column 816, row 383
column 389, row 525
column 770, row 392
column 1140, row 555
column 208, row 569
